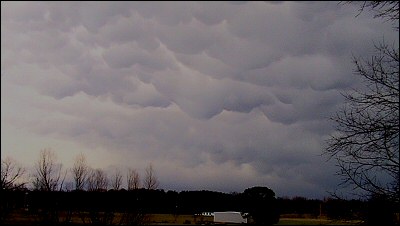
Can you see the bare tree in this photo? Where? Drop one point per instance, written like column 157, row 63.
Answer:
column 133, row 179
column 150, row 181
column 366, row 145
column 11, row 174
column 117, row 180
column 366, row 142
column 80, row 171
column 49, row 175
column 97, row 180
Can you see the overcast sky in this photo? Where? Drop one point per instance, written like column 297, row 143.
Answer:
column 216, row 95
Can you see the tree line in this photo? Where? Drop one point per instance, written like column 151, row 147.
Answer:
column 96, row 199
column 123, row 207
column 49, row 175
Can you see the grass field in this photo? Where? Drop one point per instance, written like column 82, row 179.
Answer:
column 170, row 219
column 303, row 221
column 179, row 219
column 190, row 219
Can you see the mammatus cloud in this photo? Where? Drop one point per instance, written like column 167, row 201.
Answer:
column 216, row 95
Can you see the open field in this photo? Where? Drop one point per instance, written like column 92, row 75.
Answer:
column 190, row 219
column 303, row 221
column 170, row 219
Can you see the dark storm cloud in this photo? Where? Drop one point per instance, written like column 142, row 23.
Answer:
column 218, row 95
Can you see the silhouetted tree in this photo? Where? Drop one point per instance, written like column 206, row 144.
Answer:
column 11, row 187
column 11, row 174
column 366, row 145
column 49, row 175
column 116, row 180
column 133, row 179
column 366, row 142
column 97, row 180
column 150, row 180
column 80, row 172
column 261, row 204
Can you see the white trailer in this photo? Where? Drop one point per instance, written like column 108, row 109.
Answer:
column 229, row 217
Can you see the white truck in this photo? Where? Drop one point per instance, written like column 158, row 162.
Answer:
column 229, row 217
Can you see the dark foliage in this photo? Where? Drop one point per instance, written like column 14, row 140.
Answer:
column 382, row 211
column 261, row 204
column 133, row 207
column 101, row 207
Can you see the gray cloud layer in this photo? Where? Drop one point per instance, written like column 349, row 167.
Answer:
column 217, row 95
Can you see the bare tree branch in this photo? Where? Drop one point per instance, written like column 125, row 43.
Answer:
column 387, row 10
column 11, row 174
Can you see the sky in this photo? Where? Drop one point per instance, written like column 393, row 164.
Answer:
column 216, row 96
